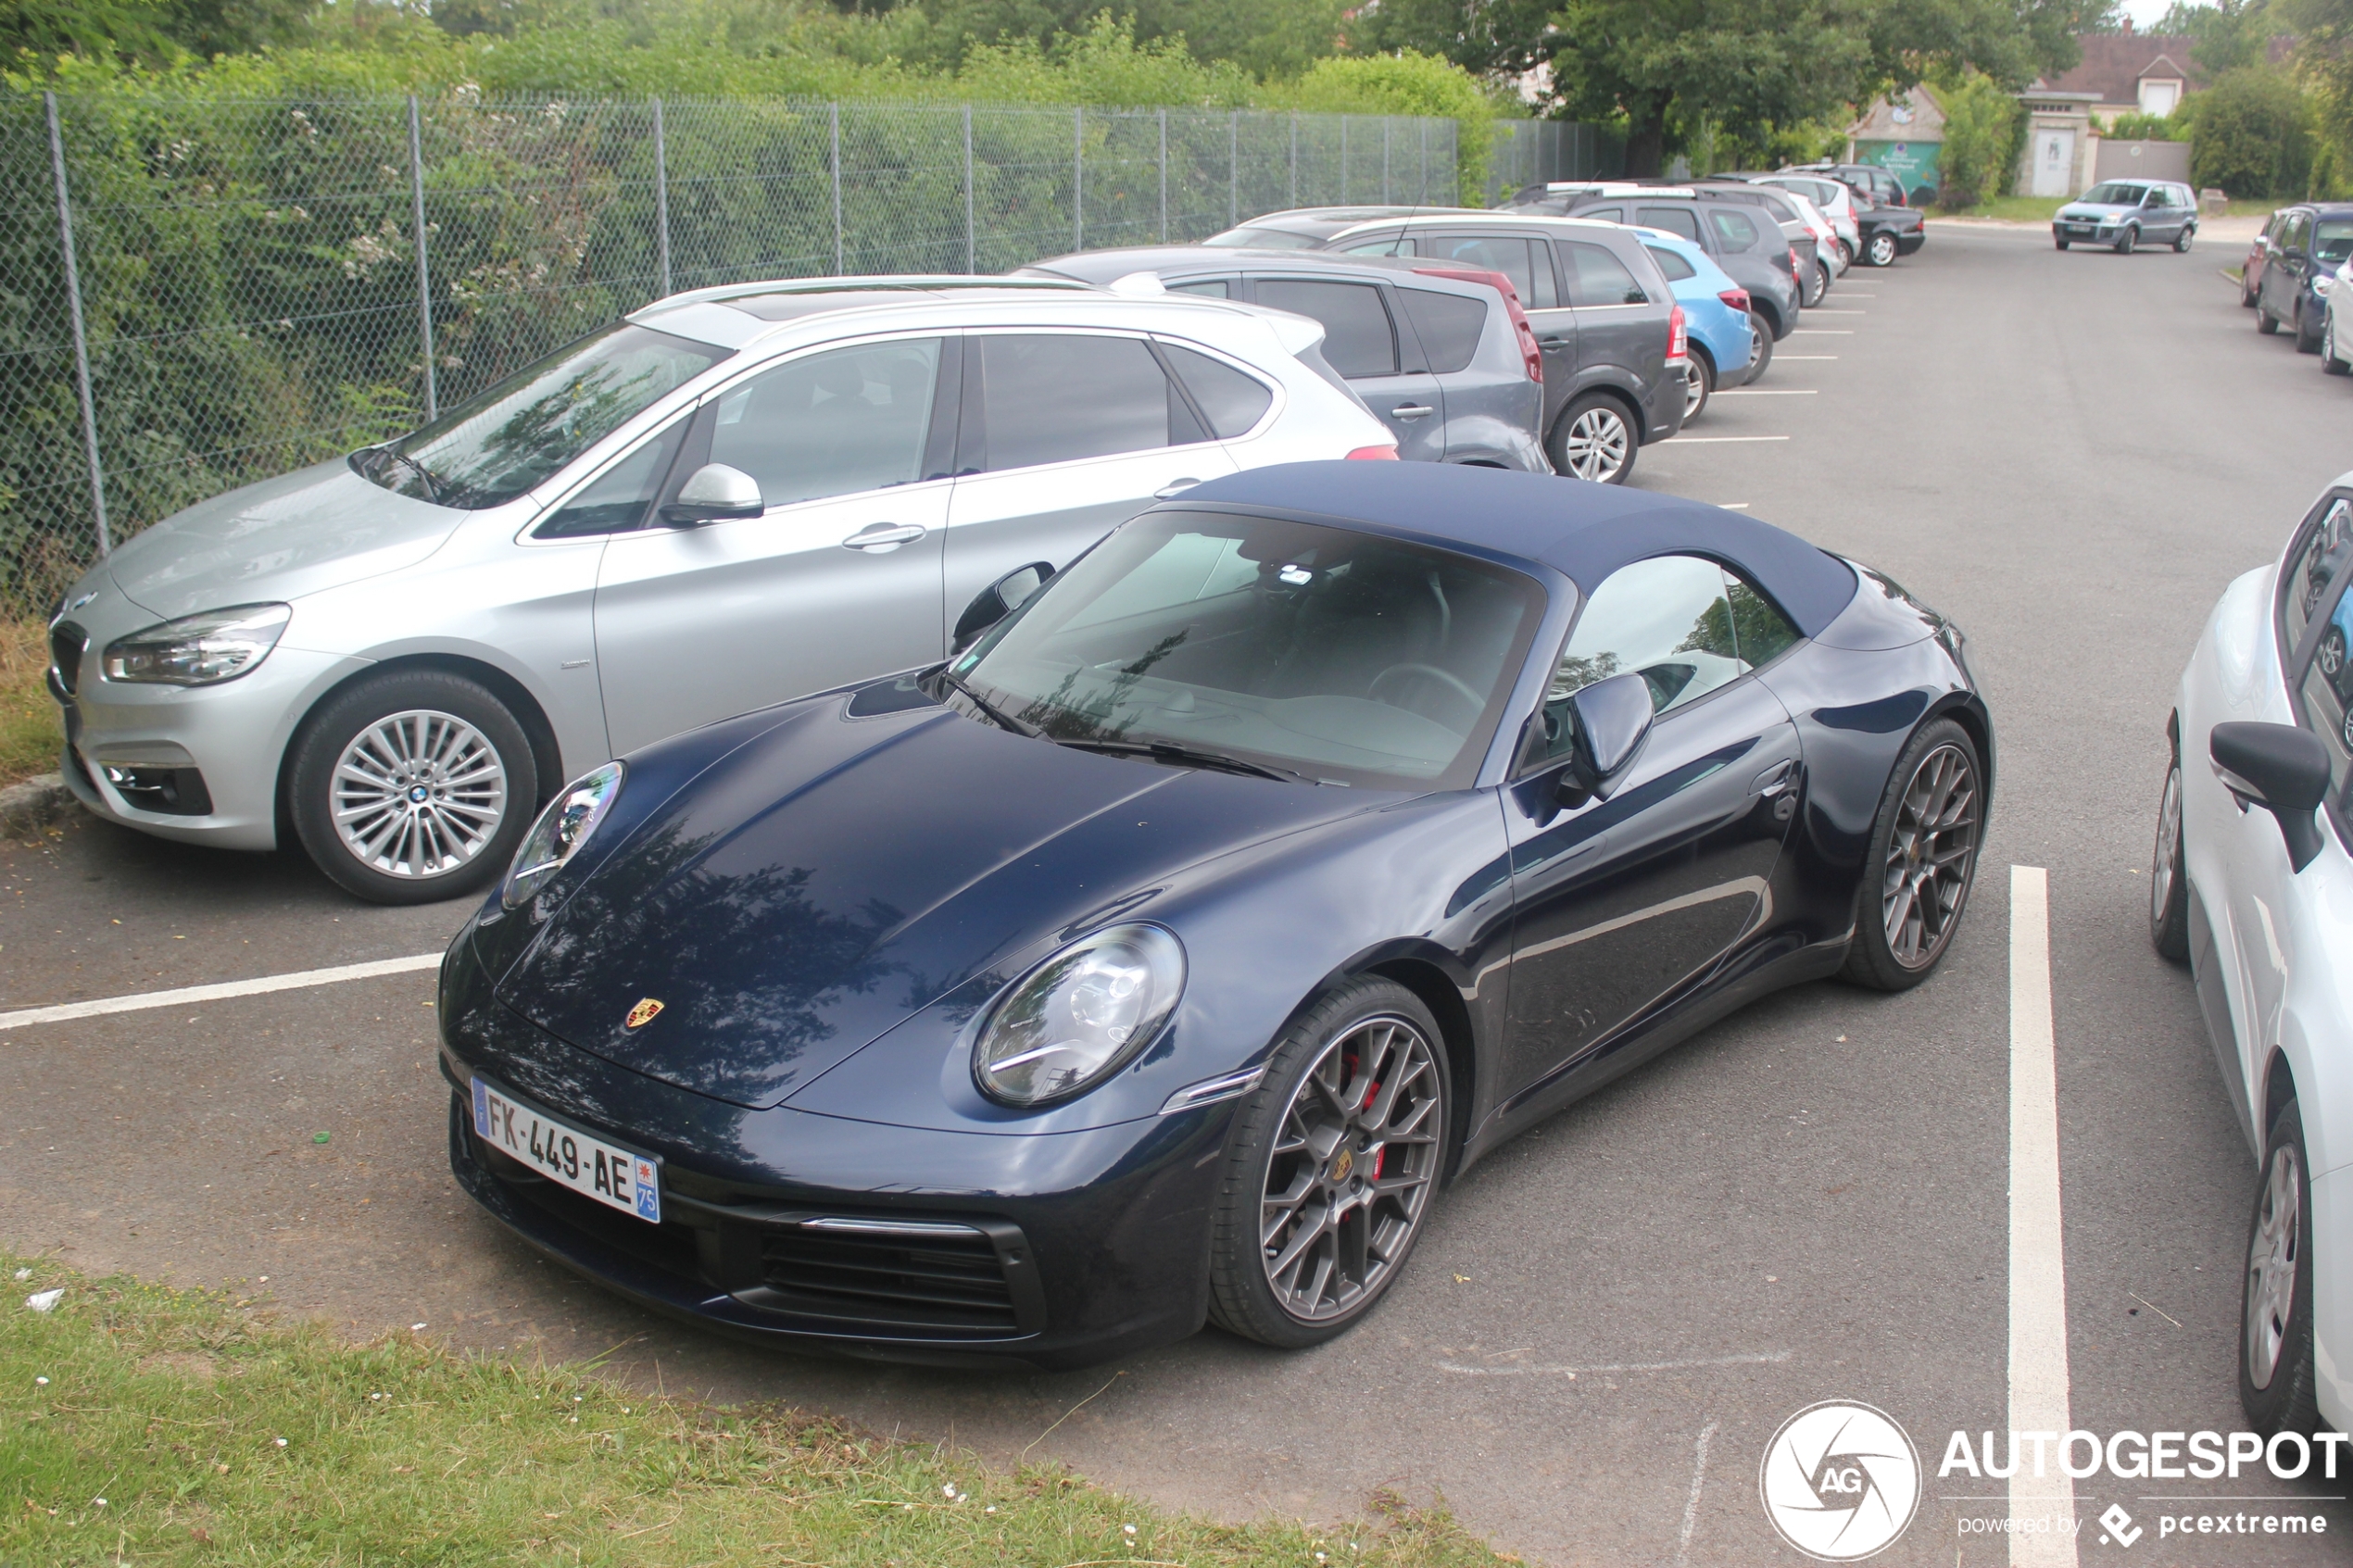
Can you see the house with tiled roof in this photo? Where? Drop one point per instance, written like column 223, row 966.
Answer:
column 2126, row 73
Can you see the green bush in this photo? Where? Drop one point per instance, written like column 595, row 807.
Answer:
column 2138, row 126
column 2251, row 135
column 1979, row 118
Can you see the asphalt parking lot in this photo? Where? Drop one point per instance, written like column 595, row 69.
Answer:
column 2071, row 453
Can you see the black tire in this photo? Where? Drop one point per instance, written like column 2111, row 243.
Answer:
column 2181, row 240
column 2059, row 240
column 2307, row 331
column 2126, row 238
column 1595, row 438
column 2265, row 322
column 1845, row 255
column 468, row 752
column 1880, row 250
column 1891, row 892
column 2276, row 1324
column 1821, row 288
column 1702, row 376
column 1382, row 1021
column 1761, row 335
column 2169, row 887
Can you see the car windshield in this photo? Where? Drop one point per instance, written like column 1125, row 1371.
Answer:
column 2114, row 194
column 1248, row 238
column 1344, row 657
column 492, row 448
column 2333, row 239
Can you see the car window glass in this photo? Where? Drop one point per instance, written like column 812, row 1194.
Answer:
column 832, row 423
column 2333, row 239
column 1358, row 338
column 623, row 496
column 1674, row 220
column 1214, row 288
column 1050, row 397
column 1667, row 618
column 2308, row 572
column 1396, row 244
column 1187, row 569
column 2326, row 696
column 1674, row 266
column 1733, row 228
column 1761, row 633
column 1512, row 256
column 1604, row 214
column 2297, row 227
column 1597, row 277
column 1448, row 324
column 1231, row 401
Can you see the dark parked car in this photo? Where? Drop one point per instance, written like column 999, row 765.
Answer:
column 1158, row 959
column 1874, row 185
column 2309, row 242
column 1615, row 358
column 1303, row 228
column 1439, row 359
column 1574, row 198
column 1887, row 224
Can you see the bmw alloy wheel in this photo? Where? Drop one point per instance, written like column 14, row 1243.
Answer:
column 1930, row 857
column 1598, row 443
column 2272, row 1257
column 418, row 793
column 1355, row 1157
column 1880, row 249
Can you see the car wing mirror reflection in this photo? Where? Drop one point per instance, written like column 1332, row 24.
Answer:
column 2281, row 768
column 1613, row 719
column 999, row 600
column 714, row 492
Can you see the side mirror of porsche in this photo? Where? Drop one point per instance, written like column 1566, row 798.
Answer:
column 2281, row 768
column 999, row 600
column 1613, row 719
column 714, row 492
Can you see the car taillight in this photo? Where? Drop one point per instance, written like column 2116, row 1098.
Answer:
column 1792, row 261
column 1678, row 342
column 1387, row 454
column 1736, row 298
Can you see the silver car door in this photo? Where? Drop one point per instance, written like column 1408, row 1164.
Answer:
column 1375, row 352
column 839, row 578
column 1064, row 435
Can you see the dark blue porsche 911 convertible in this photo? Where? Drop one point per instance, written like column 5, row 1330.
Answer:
column 1157, row 957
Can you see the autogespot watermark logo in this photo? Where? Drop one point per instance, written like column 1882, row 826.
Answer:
column 1840, row 1481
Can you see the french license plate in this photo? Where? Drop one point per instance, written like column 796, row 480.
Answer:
column 617, row 1177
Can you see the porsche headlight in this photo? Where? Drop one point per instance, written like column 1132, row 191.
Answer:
column 197, row 650
column 1080, row 1016
column 559, row 833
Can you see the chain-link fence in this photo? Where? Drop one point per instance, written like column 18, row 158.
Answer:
column 197, row 293
column 1527, row 151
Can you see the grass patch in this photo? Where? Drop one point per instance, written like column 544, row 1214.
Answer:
column 31, row 736
column 184, row 1427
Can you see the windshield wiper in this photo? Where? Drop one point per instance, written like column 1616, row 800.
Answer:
column 1169, row 751
column 1001, row 720
column 379, row 456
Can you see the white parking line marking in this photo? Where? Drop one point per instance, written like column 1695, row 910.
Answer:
column 1822, row 332
column 2039, row 1395
column 1806, row 357
column 1854, row 293
column 1755, row 1358
column 299, row 980
column 1825, row 311
column 1769, row 392
column 1691, row 1503
column 1696, row 440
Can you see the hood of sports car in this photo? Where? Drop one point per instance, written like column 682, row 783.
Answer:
column 837, row 873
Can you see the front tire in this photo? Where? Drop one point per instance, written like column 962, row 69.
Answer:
column 2276, row 1384
column 1699, row 384
column 2169, row 888
column 2307, row 331
column 1923, row 859
column 1330, row 1168
column 2126, row 239
column 1880, row 249
column 2059, row 240
column 1594, row 439
column 1760, row 331
column 412, row 786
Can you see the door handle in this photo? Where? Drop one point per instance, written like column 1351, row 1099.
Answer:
column 1175, row 487
column 1412, row 410
column 1553, row 342
column 1776, row 779
column 883, row 536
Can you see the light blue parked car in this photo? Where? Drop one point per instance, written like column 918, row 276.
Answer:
column 1723, row 335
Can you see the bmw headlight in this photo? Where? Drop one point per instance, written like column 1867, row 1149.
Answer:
column 1080, row 1016
column 559, row 833
column 198, row 650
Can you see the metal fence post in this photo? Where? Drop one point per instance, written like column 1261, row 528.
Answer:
column 425, row 272
column 81, row 341
column 1233, row 169
column 1164, row 177
column 1421, row 169
column 1386, row 122
column 969, row 247
column 662, row 199
column 840, row 264
column 1344, row 160
column 1294, row 159
column 1079, row 178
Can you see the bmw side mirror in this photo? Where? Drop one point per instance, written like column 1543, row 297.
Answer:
column 1613, row 719
column 2281, row 768
column 714, row 492
column 999, row 600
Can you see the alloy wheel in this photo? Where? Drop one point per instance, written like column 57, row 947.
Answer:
column 1350, row 1178
column 1881, row 249
column 2166, row 864
column 1598, row 443
column 418, row 793
column 2331, row 657
column 2271, row 1258
column 1929, row 856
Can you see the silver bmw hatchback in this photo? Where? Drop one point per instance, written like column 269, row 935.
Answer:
column 726, row 499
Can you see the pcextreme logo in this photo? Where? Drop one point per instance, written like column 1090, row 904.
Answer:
column 1840, row 1481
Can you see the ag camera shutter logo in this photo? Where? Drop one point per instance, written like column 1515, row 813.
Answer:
column 1840, row 1481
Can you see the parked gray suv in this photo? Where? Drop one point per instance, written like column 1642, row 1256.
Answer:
column 1603, row 317
column 1436, row 359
